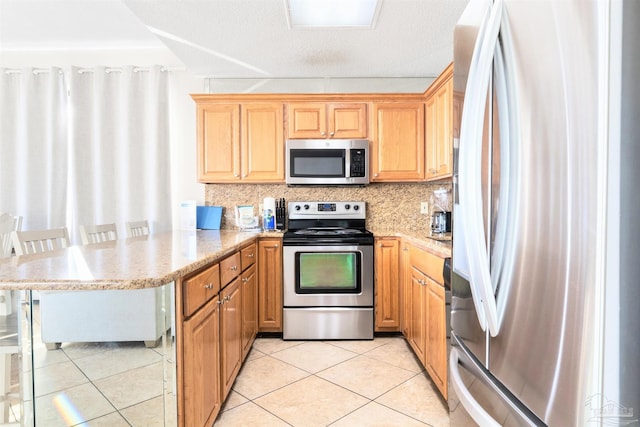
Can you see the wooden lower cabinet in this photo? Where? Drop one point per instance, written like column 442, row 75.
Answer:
column 417, row 338
column 387, row 288
column 230, row 334
column 270, row 285
column 249, row 308
column 201, row 376
column 436, row 347
column 423, row 311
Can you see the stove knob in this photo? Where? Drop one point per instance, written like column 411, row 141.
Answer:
column 306, row 207
column 297, row 207
column 356, row 207
column 348, row 206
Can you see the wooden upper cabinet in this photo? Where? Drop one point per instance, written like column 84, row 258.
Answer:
column 240, row 142
column 262, row 142
column 319, row 120
column 398, row 142
column 218, row 135
column 440, row 126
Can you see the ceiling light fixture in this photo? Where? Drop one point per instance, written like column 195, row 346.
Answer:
column 332, row 13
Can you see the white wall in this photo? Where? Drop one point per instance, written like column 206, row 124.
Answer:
column 184, row 185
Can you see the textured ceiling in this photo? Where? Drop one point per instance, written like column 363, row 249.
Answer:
column 241, row 38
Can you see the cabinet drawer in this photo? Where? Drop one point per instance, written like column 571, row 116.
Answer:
column 248, row 256
column 200, row 288
column 229, row 269
column 426, row 262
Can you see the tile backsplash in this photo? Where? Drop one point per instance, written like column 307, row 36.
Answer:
column 390, row 207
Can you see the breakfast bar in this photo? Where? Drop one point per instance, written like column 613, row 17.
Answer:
column 155, row 262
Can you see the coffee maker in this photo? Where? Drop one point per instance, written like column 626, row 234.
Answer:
column 441, row 222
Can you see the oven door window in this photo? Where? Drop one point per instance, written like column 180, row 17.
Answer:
column 317, row 163
column 328, row 272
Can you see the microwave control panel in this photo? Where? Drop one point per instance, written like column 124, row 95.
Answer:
column 358, row 163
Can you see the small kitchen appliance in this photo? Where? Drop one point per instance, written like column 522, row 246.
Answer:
column 327, row 162
column 327, row 272
column 441, row 222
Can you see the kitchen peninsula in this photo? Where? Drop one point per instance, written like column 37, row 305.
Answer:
column 202, row 277
column 172, row 262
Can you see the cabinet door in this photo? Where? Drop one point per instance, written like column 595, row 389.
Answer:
column 307, row 120
column 418, row 337
column 230, row 334
column 405, row 302
column 398, row 142
column 262, row 142
column 347, row 120
column 431, row 140
column 440, row 132
column 218, row 136
column 270, row 285
column 436, row 347
column 249, row 308
column 201, row 376
column 387, row 300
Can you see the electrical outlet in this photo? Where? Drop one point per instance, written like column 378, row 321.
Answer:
column 424, row 208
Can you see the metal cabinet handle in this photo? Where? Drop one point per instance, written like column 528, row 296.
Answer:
column 236, row 175
column 251, row 255
column 220, row 302
column 233, row 268
column 209, row 286
column 245, row 279
column 332, row 133
column 227, row 298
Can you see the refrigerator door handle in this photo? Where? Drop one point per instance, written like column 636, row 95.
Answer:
column 475, row 410
column 470, row 170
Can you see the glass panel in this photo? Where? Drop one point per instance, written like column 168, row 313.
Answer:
column 89, row 378
column 328, row 271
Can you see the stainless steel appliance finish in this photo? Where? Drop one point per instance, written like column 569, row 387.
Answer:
column 545, row 229
column 328, row 272
column 327, row 162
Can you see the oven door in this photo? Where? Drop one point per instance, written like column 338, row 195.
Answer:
column 328, row 276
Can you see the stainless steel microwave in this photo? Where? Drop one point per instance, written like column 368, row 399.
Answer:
column 327, row 162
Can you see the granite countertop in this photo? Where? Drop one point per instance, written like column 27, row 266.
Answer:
column 421, row 238
column 133, row 263
column 147, row 261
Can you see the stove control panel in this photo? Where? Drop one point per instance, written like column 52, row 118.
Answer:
column 311, row 210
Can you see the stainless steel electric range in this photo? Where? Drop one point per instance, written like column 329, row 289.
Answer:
column 327, row 272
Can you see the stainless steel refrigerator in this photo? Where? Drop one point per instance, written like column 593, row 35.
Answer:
column 546, row 240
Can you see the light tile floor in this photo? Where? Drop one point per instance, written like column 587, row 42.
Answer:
column 333, row 383
column 282, row 383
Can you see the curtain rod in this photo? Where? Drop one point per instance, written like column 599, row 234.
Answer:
column 91, row 70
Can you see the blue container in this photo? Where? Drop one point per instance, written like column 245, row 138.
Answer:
column 208, row 217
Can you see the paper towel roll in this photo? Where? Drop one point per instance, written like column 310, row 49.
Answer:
column 269, row 203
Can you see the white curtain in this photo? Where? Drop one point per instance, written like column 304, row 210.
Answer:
column 119, row 142
column 98, row 154
column 33, row 146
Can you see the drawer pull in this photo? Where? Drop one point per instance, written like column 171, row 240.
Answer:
column 245, row 279
column 227, row 298
column 220, row 302
column 250, row 255
column 233, row 268
column 209, row 286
